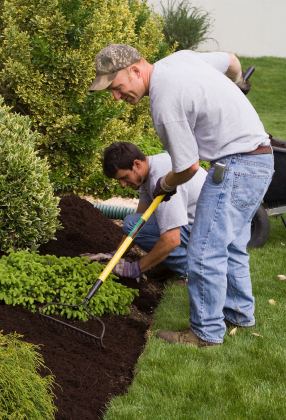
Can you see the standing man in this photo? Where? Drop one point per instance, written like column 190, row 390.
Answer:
column 199, row 112
column 165, row 235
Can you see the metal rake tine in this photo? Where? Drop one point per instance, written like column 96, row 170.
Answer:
column 71, row 328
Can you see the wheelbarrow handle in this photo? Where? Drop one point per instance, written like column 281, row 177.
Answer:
column 250, row 70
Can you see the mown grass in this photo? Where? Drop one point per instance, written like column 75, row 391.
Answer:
column 268, row 92
column 244, row 378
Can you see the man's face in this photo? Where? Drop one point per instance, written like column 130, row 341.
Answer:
column 131, row 177
column 128, row 85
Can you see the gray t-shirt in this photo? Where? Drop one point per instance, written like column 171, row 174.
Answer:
column 198, row 112
column 180, row 209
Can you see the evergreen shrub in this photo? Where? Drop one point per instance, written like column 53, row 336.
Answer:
column 47, row 52
column 28, row 207
column 24, row 394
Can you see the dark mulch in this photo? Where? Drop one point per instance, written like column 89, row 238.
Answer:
column 88, row 376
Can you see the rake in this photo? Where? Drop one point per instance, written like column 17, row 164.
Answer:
column 102, row 277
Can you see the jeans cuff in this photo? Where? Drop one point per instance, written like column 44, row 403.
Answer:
column 209, row 340
column 242, row 324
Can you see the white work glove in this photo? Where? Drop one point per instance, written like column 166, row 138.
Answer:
column 101, row 257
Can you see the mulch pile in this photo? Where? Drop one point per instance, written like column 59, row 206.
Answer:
column 85, row 230
column 87, row 375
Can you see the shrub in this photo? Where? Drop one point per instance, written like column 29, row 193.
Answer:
column 28, row 279
column 185, row 26
column 47, row 52
column 24, row 394
column 28, row 208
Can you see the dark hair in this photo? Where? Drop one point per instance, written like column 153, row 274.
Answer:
column 120, row 155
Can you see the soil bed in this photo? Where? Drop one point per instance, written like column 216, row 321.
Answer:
column 87, row 375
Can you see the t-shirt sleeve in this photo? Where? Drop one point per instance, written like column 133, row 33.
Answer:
column 179, row 140
column 218, row 60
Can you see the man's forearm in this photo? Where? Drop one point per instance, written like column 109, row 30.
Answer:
column 167, row 242
column 177, row 178
column 234, row 71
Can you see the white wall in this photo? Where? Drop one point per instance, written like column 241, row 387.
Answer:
column 246, row 27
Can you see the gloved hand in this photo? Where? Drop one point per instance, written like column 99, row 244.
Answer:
column 127, row 269
column 163, row 188
column 99, row 257
column 243, row 85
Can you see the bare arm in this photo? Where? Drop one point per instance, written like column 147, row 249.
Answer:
column 142, row 206
column 173, row 179
column 166, row 243
column 234, row 71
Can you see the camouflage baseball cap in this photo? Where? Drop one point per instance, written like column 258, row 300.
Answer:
column 109, row 61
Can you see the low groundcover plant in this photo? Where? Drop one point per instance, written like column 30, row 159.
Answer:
column 27, row 279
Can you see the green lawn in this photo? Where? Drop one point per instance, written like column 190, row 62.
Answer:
column 268, row 92
column 244, row 378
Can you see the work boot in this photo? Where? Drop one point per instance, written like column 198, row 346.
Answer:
column 181, row 280
column 184, row 337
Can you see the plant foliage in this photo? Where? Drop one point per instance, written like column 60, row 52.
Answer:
column 27, row 279
column 28, row 207
column 185, row 26
column 47, row 51
column 24, row 394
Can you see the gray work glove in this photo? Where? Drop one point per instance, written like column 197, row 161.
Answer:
column 122, row 269
column 162, row 188
column 127, row 269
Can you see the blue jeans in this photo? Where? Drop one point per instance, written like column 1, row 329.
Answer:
column 150, row 234
column 219, row 282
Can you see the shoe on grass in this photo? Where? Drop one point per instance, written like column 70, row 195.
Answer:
column 180, row 280
column 184, row 337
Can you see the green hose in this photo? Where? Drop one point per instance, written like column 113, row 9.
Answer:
column 114, row 212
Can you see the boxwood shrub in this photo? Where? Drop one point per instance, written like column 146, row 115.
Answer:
column 28, row 207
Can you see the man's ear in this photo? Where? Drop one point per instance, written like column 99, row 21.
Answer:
column 135, row 69
column 138, row 164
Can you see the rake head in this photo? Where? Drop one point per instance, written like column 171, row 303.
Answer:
column 67, row 327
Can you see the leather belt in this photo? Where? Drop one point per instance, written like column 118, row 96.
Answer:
column 261, row 150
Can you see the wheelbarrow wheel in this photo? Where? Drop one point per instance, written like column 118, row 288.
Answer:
column 260, row 228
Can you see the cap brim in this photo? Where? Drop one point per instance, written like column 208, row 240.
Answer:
column 102, row 82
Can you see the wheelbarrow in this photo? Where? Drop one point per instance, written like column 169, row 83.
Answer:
column 274, row 201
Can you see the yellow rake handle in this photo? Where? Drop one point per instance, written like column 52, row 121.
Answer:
column 123, row 247
column 129, row 239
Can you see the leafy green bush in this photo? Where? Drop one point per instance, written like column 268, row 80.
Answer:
column 28, row 279
column 28, row 207
column 47, row 52
column 185, row 26
column 24, row 394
